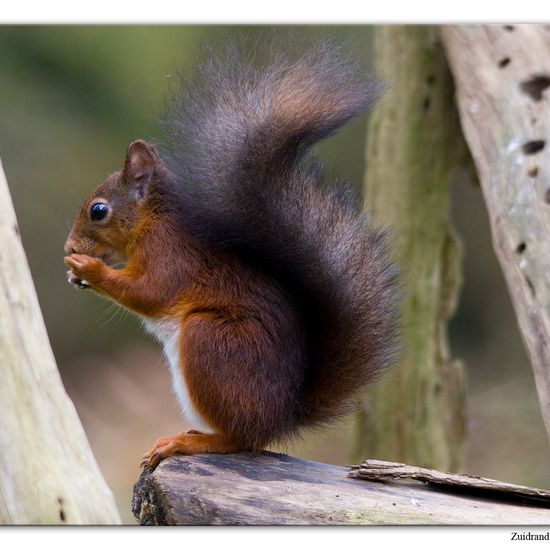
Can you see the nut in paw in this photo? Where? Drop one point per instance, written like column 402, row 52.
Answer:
column 85, row 270
column 76, row 281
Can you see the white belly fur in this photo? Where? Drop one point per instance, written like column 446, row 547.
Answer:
column 168, row 334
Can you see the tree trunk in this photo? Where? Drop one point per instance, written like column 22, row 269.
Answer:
column 502, row 73
column 415, row 414
column 48, row 474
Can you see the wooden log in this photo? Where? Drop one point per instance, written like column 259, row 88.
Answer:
column 48, row 474
column 273, row 489
column 416, row 413
column 502, row 75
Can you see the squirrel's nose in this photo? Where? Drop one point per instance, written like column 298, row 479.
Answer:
column 69, row 246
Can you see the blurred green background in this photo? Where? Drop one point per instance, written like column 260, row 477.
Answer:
column 71, row 99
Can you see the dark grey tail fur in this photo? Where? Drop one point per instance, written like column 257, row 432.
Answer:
column 239, row 138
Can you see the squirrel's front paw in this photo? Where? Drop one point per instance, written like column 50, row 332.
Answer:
column 85, row 270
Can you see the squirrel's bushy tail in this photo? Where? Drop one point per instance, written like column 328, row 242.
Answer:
column 239, row 136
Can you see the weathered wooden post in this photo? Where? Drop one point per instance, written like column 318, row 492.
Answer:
column 48, row 474
column 415, row 414
column 502, row 75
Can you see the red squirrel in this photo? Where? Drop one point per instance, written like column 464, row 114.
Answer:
column 273, row 297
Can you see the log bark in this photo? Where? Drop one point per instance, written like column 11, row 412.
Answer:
column 379, row 470
column 48, row 474
column 416, row 414
column 502, row 75
column 272, row 489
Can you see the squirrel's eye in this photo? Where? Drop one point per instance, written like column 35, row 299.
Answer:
column 98, row 211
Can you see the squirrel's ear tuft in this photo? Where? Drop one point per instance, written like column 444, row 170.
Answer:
column 140, row 163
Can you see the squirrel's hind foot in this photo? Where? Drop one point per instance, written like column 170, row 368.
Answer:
column 189, row 443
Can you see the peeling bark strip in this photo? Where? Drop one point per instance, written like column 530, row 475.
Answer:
column 272, row 489
column 48, row 474
column 378, row 470
column 416, row 413
column 505, row 116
